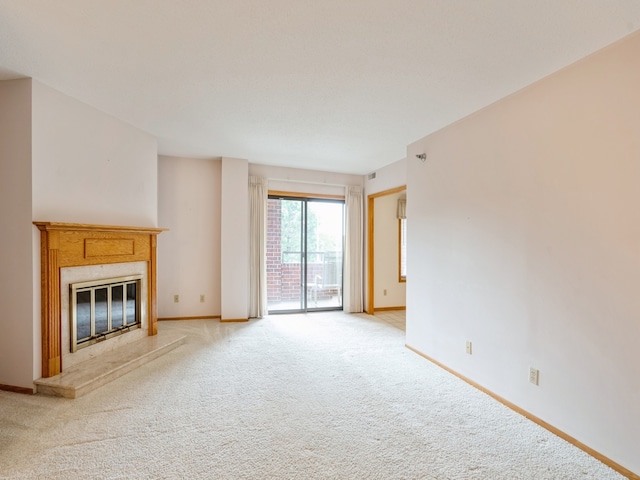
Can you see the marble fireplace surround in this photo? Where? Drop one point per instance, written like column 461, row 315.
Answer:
column 71, row 275
column 66, row 245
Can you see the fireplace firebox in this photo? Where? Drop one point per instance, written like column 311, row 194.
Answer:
column 102, row 309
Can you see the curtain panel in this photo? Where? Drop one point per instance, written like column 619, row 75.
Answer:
column 258, row 194
column 353, row 299
column 402, row 208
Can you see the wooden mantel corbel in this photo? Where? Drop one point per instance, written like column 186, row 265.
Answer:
column 74, row 245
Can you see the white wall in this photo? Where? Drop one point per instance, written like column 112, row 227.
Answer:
column 234, row 243
column 16, row 274
column 305, row 181
column 189, row 205
column 525, row 239
column 386, row 253
column 89, row 167
column 388, row 177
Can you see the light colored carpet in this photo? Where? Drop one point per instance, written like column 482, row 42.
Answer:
column 317, row 396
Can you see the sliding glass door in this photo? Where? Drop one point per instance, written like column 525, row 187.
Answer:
column 305, row 238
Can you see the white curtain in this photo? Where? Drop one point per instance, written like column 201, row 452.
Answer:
column 258, row 194
column 402, row 208
column 353, row 293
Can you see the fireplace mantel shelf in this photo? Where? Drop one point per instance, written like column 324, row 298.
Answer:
column 78, row 244
column 79, row 227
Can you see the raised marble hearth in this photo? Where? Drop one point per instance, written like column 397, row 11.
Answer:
column 86, row 376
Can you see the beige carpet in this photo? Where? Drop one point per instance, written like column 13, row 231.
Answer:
column 318, row 396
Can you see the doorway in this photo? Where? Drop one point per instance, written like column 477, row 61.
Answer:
column 386, row 247
column 305, row 244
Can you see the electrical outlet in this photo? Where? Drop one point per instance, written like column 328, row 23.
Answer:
column 469, row 348
column 534, row 375
column 201, row 298
column 176, row 298
column 384, row 292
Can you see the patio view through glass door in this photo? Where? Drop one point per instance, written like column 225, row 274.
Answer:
column 304, row 254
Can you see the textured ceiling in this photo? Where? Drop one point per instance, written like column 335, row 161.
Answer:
column 339, row 85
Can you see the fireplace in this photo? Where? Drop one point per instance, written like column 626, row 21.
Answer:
column 87, row 258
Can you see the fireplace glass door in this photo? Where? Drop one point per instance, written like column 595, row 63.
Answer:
column 104, row 308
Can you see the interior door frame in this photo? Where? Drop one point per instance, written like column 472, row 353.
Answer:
column 371, row 243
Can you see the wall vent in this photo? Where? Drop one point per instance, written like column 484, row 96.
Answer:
column 371, row 176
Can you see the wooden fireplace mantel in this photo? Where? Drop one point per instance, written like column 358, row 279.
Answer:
column 74, row 245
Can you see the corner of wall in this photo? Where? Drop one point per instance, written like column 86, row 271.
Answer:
column 16, row 276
